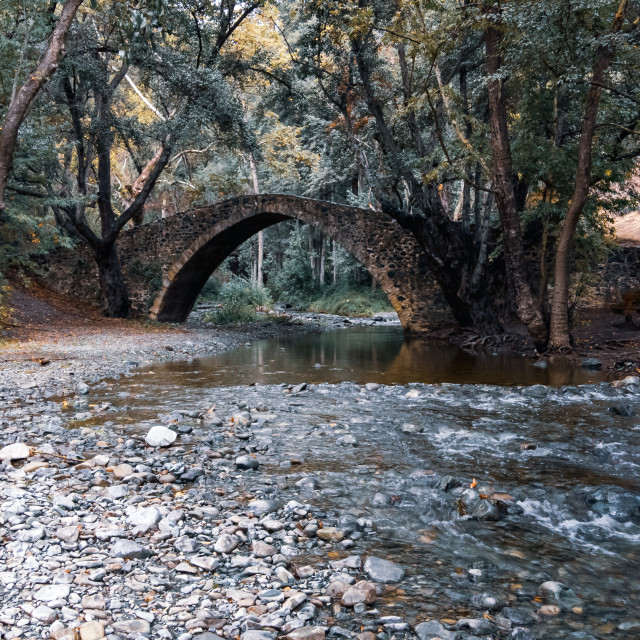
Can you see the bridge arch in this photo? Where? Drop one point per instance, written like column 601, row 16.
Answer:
column 167, row 262
column 386, row 250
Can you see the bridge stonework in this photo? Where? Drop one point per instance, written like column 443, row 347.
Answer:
column 166, row 263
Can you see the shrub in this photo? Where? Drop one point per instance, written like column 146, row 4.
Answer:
column 211, row 290
column 239, row 299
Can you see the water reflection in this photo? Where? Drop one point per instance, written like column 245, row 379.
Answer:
column 370, row 354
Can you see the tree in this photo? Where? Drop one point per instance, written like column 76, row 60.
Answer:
column 394, row 117
column 528, row 308
column 22, row 100
column 102, row 116
column 559, row 338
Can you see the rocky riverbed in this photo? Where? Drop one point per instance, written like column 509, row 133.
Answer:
column 132, row 508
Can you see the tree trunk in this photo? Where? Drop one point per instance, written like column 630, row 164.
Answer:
column 260, row 260
column 256, row 190
column 323, row 243
column 466, row 185
column 21, row 103
column 113, row 291
column 520, row 288
column 559, row 339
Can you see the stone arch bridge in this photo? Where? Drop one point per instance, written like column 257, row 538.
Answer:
column 166, row 263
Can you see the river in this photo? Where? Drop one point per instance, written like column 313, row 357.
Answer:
column 484, row 477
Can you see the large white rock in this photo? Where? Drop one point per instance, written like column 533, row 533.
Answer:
column 160, row 437
column 15, row 451
column 52, row 592
column 44, row 614
column 144, row 519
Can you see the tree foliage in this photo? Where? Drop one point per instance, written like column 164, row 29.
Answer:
column 464, row 121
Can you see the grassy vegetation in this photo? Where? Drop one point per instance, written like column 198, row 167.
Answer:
column 239, row 300
column 352, row 301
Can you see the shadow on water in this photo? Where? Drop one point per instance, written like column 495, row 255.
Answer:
column 370, row 354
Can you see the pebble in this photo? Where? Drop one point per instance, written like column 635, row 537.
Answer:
column 52, row 592
column 129, row 550
column 360, row 592
column 91, row 630
column 226, row 543
column 433, row 630
column 246, row 462
column 381, row 570
column 44, row 614
column 160, row 437
column 136, row 626
column 307, row 633
column 330, row 534
column 15, row 451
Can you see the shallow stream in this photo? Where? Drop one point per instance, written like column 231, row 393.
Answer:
column 483, row 476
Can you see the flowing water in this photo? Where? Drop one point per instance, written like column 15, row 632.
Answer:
column 484, row 476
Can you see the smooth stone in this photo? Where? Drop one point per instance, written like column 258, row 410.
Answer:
column 432, row 630
column 144, row 519
column 477, row 626
column 351, row 562
column 82, row 388
column 382, row 570
column 591, row 363
column 117, row 491
column 91, row 630
column 520, row 633
column 51, row 592
column 245, row 463
column 255, row 634
column 64, row 634
column 204, row 562
column 307, row 633
column 132, row 626
column 44, row 614
column 30, row 467
column 226, row 543
column 360, row 592
column 330, row 534
column 121, row 471
column 262, row 507
column 160, row 437
column 185, row 567
column 94, row 602
column 68, row 534
column 262, row 549
column 129, row 550
column 15, row 451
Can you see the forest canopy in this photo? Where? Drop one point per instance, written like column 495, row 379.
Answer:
column 492, row 131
